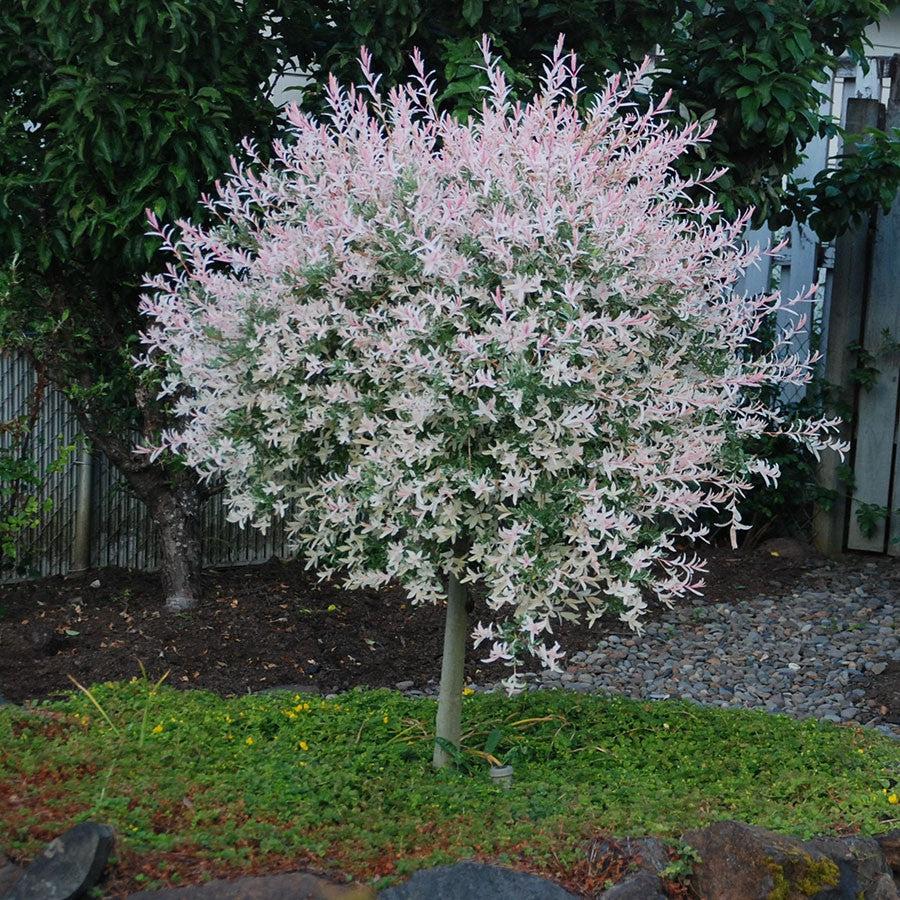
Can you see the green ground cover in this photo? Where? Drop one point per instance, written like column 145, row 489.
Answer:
column 347, row 783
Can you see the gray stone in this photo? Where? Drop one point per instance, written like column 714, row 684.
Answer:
column 861, row 863
column 10, row 873
column 475, row 881
column 649, row 853
column 403, row 685
column 287, row 886
column 883, row 889
column 641, row 885
column 69, row 866
column 889, row 845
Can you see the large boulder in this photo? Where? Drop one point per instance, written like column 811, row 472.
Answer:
column 475, row 881
column 864, row 871
column 69, row 866
column 647, row 852
column 744, row 862
column 10, row 873
column 890, row 847
column 641, row 885
column 287, row 886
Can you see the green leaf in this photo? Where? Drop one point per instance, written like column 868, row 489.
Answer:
column 472, row 11
column 493, row 741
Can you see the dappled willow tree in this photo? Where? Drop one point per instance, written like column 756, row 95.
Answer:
column 499, row 352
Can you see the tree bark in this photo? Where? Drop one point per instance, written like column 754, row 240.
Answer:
column 175, row 511
column 449, row 711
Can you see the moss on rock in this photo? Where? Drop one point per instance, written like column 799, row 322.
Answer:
column 801, row 875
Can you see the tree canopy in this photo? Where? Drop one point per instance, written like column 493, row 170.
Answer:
column 757, row 66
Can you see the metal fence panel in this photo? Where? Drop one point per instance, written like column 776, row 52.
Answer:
column 121, row 532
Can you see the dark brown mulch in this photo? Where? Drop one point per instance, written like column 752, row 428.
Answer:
column 883, row 691
column 263, row 626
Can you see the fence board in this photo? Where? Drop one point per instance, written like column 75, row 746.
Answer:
column 877, row 406
column 846, row 300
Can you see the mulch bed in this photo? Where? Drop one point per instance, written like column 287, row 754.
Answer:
column 263, row 626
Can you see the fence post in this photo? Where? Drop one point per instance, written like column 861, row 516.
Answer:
column 845, row 318
column 81, row 543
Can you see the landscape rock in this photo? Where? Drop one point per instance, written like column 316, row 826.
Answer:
column 475, row 881
column 648, row 852
column 286, row 886
column 890, row 848
column 642, row 885
column 862, row 867
column 884, row 889
column 69, row 866
column 751, row 863
column 10, row 873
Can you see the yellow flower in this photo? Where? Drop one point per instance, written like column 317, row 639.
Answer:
column 289, row 714
column 303, row 746
column 893, row 798
column 386, row 719
column 249, row 742
column 158, row 729
column 467, row 691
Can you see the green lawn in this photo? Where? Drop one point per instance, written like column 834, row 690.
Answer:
column 347, row 783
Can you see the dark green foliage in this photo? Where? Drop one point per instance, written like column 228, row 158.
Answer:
column 864, row 180
column 787, row 509
column 110, row 108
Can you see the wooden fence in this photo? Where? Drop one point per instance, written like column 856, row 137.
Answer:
column 862, row 340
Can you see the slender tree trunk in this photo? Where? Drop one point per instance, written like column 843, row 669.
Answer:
column 117, row 426
column 176, row 515
column 449, row 711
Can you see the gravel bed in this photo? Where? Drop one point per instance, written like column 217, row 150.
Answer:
column 807, row 653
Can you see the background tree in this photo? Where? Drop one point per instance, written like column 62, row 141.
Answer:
column 492, row 352
column 759, row 66
column 108, row 108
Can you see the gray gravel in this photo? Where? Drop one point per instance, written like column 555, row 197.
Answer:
column 807, row 653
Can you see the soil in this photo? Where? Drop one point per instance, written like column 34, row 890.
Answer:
column 263, row 626
column 884, row 692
